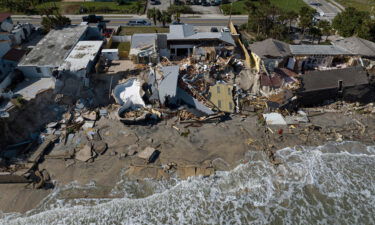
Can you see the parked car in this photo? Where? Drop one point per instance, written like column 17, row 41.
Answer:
column 214, row 29
column 225, row 29
column 177, row 23
column 315, row 4
column 139, row 23
column 204, row 3
column 154, row 2
column 92, row 19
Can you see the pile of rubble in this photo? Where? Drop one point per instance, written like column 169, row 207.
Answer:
column 191, row 90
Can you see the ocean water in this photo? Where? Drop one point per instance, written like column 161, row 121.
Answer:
column 330, row 184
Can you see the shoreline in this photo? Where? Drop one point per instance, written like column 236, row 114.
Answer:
column 208, row 148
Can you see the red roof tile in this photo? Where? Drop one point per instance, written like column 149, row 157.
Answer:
column 4, row 16
column 14, row 55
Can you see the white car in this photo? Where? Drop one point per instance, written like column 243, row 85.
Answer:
column 225, row 29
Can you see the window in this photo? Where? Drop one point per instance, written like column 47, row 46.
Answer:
column 229, row 93
column 219, row 103
column 38, row 70
column 230, row 106
column 218, row 89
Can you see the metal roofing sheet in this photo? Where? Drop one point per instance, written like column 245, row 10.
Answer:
column 318, row 50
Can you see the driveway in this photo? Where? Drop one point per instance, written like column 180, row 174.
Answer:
column 164, row 5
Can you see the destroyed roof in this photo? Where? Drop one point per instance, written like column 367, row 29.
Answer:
column 186, row 32
column 30, row 88
column 357, row 46
column 54, row 47
column 14, row 55
column 168, row 85
column 270, row 48
column 321, row 80
column 318, row 50
column 81, row 55
column 4, row 16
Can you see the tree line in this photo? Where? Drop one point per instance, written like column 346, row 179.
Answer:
column 156, row 15
column 268, row 21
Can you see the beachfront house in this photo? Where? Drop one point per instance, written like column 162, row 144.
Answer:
column 350, row 84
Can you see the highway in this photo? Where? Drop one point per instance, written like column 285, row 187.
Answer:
column 123, row 20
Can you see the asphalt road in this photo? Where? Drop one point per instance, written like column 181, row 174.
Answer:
column 326, row 8
column 122, row 21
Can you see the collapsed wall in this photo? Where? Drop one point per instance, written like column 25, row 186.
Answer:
column 27, row 120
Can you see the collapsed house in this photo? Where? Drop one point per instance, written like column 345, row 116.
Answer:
column 146, row 48
column 322, row 57
column 359, row 47
column 270, row 52
column 181, row 41
column 350, row 84
column 273, row 54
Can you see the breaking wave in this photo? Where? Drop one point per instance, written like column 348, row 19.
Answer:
column 330, row 184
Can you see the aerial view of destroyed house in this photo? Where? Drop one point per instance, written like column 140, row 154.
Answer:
column 187, row 112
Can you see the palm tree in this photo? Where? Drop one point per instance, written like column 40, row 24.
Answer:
column 139, row 5
column 165, row 17
column 153, row 14
column 325, row 27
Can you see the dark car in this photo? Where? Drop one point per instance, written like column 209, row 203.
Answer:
column 138, row 23
column 214, row 29
column 177, row 23
column 92, row 19
column 315, row 4
column 155, row 2
column 206, row 3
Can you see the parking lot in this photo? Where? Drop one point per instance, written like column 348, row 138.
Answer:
column 206, row 9
column 164, row 4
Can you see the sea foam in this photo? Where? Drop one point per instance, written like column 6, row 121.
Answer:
column 330, row 184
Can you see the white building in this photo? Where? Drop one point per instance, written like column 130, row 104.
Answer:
column 81, row 60
column 50, row 53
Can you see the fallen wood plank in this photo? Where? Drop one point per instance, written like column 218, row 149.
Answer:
column 11, row 178
column 35, row 157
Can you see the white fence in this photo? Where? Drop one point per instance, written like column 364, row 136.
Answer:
column 121, row 38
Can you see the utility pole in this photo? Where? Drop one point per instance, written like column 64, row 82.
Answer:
column 230, row 12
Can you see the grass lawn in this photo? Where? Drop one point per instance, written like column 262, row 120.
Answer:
column 363, row 5
column 134, row 30
column 92, row 7
column 239, row 7
column 121, row 46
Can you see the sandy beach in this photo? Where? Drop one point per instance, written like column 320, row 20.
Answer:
column 206, row 148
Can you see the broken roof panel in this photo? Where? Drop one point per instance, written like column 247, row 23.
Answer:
column 328, row 79
column 52, row 50
column 191, row 101
column 318, row 50
column 168, row 85
column 30, row 88
column 142, row 42
column 270, row 48
column 81, row 55
column 357, row 46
